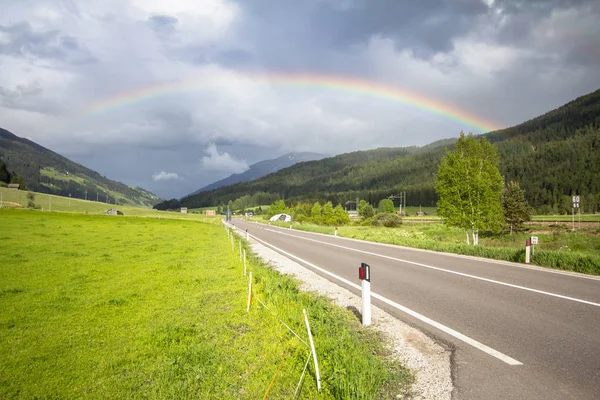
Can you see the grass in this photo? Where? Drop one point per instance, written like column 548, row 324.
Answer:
column 98, row 306
column 558, row 247
column 45, row 202
column 567, row 218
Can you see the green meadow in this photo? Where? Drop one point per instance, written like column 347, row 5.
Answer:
column 98, row 306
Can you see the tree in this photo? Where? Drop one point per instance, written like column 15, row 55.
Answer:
column 516, row 209
column 469, row 187
column 277, row 208
column 315, row 212
column 366, row 211
column 31, row 200
column 341, row 217
column 386, row 206
column 19, row 180
column 328, row 214
column 4, row 174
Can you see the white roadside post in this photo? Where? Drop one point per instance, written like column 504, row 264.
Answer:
column 312, row 349
column 364, row 274
column 247, row 235
column 527, row 251
column 249, row 292
column 335, row 233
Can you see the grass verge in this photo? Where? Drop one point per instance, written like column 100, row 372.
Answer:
column 115, row 307
column 559, row 248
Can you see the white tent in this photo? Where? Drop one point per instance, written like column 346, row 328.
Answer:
column 281, row 217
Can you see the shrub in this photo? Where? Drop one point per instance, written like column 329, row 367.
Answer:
column 386, row 219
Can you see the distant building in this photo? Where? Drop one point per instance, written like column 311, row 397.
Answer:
column 184, row 210
column 14, row 186
column 210, row 212
column 113, row 211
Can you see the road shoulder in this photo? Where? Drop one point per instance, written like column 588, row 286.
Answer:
column 427, row 359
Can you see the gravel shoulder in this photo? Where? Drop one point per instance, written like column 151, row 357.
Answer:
column 430, row 361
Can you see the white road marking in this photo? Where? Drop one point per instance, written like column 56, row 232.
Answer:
column 560, row 296
column 486, row 349
column 571, row 274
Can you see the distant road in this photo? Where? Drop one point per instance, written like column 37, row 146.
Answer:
column 519, row 332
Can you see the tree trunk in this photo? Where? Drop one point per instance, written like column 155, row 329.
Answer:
column 467, row 233
column 475, row 237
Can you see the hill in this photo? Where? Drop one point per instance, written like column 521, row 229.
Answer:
column 48, row 172
column 552, row 156
column 262, row 168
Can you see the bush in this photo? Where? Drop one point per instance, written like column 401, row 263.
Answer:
column 386, row 219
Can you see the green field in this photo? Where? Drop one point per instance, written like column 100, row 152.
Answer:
column 96, row 306
column 45, row 202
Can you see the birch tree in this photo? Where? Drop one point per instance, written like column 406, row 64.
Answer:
column 469, row 187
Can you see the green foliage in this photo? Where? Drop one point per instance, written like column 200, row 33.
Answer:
column 18, row 180
column 386, row 206
column 31, row 200
column 340, row 216
column 516, row 209
column 277, row 207
column 315, row 212
column 469, row 186
column 4, row 174
column 327, row 214
column 367, row 211
column 388, row 220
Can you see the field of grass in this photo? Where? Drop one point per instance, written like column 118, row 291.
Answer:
column 96, row 306
column 567, row 218
column 45, row 202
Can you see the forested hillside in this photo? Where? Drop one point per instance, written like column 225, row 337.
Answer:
column 552, row 157
column 45, row 171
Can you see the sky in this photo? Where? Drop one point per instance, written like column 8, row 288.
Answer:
column 174, row 95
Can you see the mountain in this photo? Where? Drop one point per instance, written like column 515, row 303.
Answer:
column 261, row 169
column 552, row 156
column 48, row 172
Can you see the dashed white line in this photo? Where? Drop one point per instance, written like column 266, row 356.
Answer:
column 560, row 296
column 486, row 349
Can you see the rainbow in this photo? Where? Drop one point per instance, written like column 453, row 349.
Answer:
column 335, row 83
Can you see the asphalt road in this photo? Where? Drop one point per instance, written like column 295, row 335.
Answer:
column 517, row 332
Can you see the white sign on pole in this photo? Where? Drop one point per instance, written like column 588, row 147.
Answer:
column 576, row 201
column 534, row 240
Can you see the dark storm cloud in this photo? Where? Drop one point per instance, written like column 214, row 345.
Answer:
column 23, row 41
column 424, row 27
column 163, row 23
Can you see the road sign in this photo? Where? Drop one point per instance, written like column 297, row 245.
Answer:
column 576, row 202
column 534, row 240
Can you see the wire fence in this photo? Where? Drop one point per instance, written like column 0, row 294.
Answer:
column 294, row 332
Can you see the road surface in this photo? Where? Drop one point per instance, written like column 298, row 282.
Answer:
column 518, row 332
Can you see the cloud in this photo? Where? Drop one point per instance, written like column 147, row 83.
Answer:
column 223, row 161
column 170, row 80
column 166, row 176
